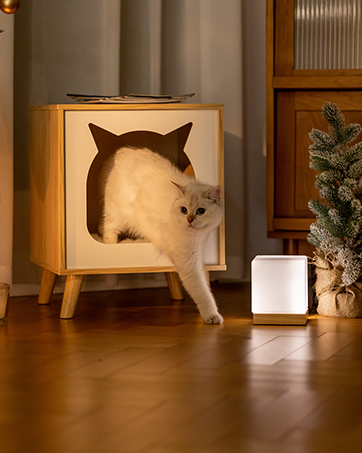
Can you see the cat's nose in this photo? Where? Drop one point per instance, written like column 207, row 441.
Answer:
column 190, row 219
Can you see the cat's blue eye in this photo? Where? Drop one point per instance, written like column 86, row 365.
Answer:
column 183, row 210
column 200, row 211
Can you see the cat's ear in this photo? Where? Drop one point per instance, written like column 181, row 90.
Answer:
column 214, row 194
column 181, row 189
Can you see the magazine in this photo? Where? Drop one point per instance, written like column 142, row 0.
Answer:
column 129, row 99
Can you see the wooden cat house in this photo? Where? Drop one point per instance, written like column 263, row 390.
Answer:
column 68, row 147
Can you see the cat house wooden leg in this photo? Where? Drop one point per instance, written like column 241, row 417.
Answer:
column 207, row 273
column 174, row 284
column 46, row 287
column 72, row 288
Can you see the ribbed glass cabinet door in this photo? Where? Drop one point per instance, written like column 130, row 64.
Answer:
column 328, row 34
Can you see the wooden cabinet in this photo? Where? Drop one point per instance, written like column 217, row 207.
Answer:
column 65, row 141
column 295, row 96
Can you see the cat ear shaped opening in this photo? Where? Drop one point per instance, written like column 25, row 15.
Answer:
column 214, row 194
column 181, row 189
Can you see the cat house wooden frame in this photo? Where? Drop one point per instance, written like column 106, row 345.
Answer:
column 62, row 150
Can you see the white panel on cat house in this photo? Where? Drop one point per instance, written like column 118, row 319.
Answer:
column 201, row 148
column 279, row 289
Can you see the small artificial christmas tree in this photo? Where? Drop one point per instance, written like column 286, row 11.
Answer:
column 337, row 232
column 338, row 229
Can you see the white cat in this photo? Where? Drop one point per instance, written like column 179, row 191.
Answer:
column 146, row 196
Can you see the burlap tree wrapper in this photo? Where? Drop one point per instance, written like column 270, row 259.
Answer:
column 335, row 298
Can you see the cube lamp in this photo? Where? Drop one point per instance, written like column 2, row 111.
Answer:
column 279, row 289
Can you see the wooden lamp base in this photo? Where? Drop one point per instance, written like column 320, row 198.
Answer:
column 292, row 319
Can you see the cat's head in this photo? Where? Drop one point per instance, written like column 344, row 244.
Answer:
column 197, row 207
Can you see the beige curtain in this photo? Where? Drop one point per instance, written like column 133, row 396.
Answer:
column 60, row 47
column 186, row 46
column 74, row 48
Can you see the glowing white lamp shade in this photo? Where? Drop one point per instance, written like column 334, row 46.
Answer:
column 279, row 289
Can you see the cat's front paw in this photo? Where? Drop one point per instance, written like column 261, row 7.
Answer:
column 215, row 318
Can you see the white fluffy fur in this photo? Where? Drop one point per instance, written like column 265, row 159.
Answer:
column 144, row 194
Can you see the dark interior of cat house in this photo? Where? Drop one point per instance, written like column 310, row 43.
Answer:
column 170, row 146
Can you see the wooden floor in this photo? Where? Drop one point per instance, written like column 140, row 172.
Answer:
column 135, row 372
